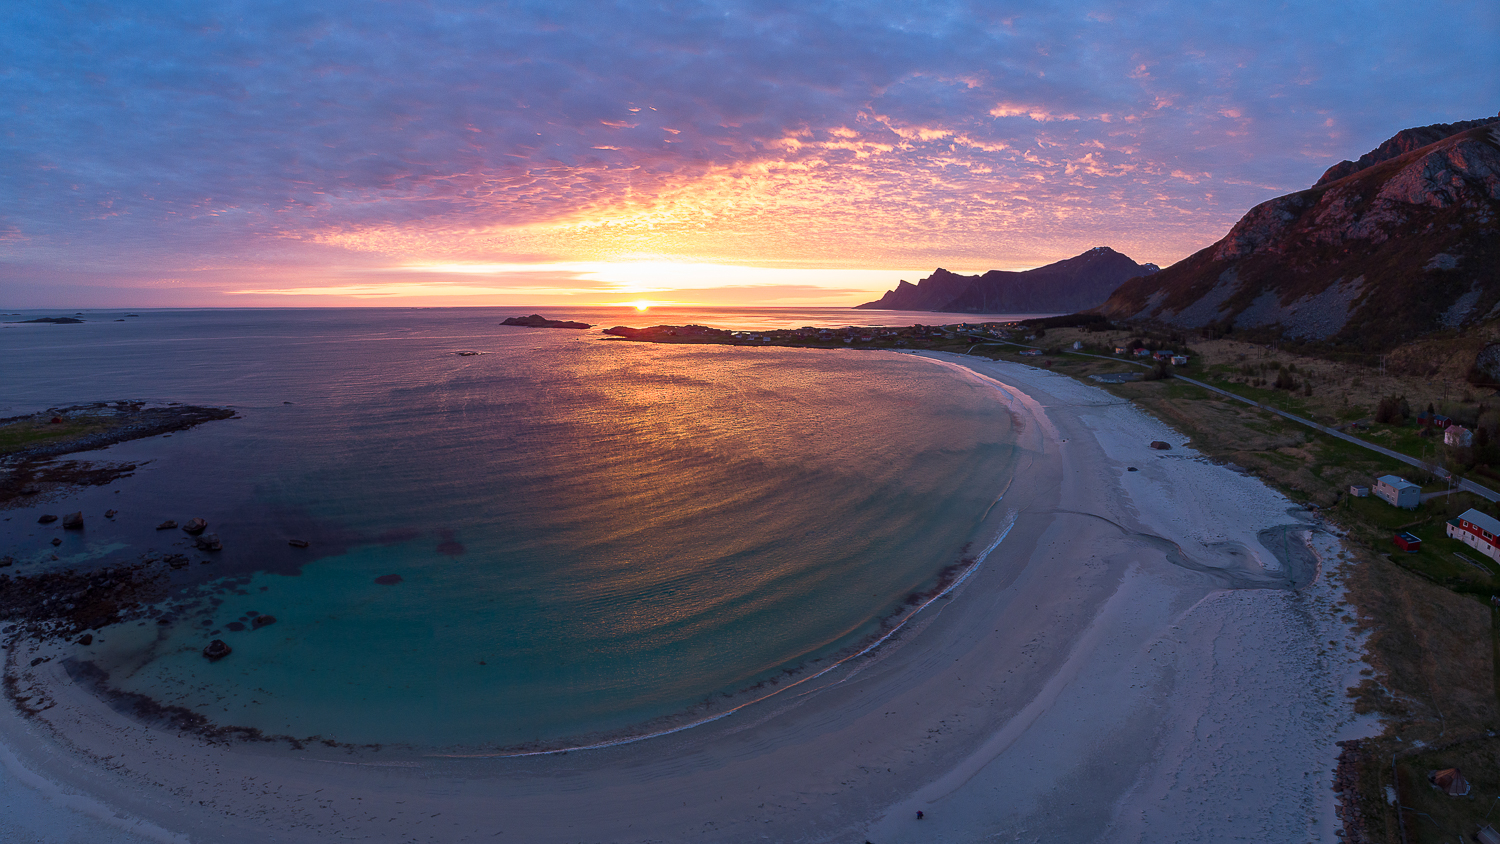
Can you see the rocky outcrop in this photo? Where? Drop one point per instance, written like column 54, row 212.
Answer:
column 195, row 526
column 1402, row 245
column 669, row 333
column 1072, row 285
column 539, row 321
column 1400, row 144
column 73, row 521
column 217, row 650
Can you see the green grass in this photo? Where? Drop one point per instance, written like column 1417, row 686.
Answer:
column 1279, row 399
column 19, row 435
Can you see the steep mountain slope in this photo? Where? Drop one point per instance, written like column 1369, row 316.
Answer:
column 1405, row 244
column 1073, row 284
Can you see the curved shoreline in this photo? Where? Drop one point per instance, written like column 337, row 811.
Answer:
column 881, row 639
column 985, row 725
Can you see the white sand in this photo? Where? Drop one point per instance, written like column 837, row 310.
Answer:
column 1095, row 680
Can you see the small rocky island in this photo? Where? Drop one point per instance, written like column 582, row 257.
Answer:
column 539, row 321
column 53, row 320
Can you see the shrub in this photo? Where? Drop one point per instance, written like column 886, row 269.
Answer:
column 1388, row 410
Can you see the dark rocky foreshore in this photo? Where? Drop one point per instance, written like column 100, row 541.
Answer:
column 68, row 603
column 1346, row 785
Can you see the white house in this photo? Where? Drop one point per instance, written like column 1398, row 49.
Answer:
column 1458, row 435
column 1179, row 360
column 1398, row 491
column 1478, row 531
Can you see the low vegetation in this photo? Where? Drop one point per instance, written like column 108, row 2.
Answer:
column 1432, row 632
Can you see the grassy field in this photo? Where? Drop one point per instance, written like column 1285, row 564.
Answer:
column 33, row 430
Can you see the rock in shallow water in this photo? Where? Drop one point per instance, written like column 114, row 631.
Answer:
column 46, row 519
column 262, row 621
column 216, row 650
column 210, row 542
column 195, row 526
column 388, row 579
column 73, row 521
column 167, row 525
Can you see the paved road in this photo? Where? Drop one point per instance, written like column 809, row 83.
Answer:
column 1462, row 483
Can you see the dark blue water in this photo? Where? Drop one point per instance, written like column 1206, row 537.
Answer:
column 589, row 534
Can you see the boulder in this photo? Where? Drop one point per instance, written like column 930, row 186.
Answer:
column 73, row 521
column 110, row 514
column 262, row 621
column 195, row 526
column 1161, row 446
column 56, row 542
column 86, row 639
column 167, row 525
column 297, row 543
column 210, row 542
column 216, row 650
column 46, row 519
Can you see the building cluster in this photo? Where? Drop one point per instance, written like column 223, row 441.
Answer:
column 1473, row 528
column 1163, row 355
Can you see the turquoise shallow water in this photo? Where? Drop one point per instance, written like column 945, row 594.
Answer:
column 589, row 534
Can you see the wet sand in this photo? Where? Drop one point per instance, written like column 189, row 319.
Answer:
column 1132, row 663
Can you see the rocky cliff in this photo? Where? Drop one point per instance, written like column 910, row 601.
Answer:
column 1403, row 243
column 1070, row 285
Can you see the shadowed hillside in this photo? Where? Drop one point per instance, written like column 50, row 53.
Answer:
column 1403, row 244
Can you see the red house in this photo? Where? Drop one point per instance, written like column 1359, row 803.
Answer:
column 1478, row 531
column 1408, row 543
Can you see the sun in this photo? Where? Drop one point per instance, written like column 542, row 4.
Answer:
column 641, row 306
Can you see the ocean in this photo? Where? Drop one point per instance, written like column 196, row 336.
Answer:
column 574, row 538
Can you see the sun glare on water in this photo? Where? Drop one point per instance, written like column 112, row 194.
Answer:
column 641, row 306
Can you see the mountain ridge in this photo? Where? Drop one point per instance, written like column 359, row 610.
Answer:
column 1398, row 245
column 1072, row 284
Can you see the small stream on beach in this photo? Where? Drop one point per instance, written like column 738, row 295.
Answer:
column 556, row 538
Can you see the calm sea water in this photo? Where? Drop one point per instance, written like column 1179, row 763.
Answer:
column 590, row 534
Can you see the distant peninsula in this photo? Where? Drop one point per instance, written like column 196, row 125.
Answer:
column 539, row 321
column 1075, row 284
column 53, row 320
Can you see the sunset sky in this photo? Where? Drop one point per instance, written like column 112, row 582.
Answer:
column 212, row 153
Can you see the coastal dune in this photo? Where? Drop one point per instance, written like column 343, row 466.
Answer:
column 1150, row 655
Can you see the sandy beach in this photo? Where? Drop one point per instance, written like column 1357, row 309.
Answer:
column 1155, row 655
